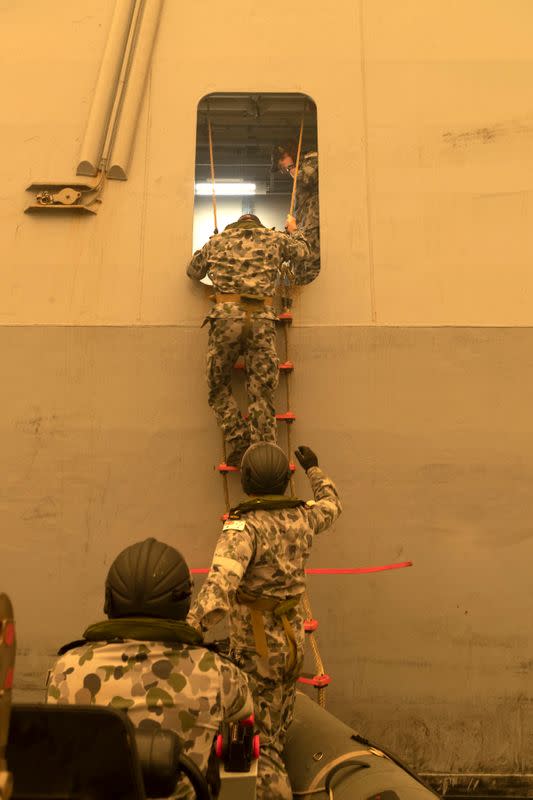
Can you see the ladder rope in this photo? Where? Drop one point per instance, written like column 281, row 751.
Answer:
column 215, row 230
column 288, row 398
column 289, row 448
column 317, row 658
column 297, row 165
column 319, row 664
column 212, row 163
column 288, row 383
column 316, row 653
column 225, row 476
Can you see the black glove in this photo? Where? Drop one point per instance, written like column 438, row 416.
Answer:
column 306, row 457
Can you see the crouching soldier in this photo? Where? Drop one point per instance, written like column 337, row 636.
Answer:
column 244, row 263
column 258, row 578
column 306, row 210
column 146, row 660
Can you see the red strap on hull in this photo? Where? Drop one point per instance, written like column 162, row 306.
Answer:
column 333, row 571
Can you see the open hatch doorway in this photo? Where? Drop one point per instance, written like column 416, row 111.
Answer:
column 244, row 130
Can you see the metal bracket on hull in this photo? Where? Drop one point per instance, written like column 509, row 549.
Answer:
column 65, row 196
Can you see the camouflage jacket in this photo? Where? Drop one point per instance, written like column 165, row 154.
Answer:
column 306, row 209
column 188, row 689
column 264, row 554
column 246, row 259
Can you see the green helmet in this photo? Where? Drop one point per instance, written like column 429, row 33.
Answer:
column 265, row 469
column 148, row 579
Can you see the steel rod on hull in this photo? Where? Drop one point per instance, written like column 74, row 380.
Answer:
column 105, row 91
column 133, row 93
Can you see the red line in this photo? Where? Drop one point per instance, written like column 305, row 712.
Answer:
column 333, row 571
column 358, row 570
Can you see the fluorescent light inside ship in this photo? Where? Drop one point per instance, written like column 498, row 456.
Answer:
column 225, row 188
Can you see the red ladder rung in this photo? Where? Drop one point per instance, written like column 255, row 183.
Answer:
column 225, row 468
column 318, row 681
column 285, row 316
column 288, row 416
column 287, row 366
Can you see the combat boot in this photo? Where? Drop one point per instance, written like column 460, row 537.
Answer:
column 234, row 458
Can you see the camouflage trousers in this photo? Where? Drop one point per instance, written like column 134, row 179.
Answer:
column 313, row 265
column 273, row 689
column 255, row 339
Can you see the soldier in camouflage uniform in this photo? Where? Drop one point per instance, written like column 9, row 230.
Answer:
column 257, row 577
column 243, row 263
column 7, row 661
column 306, row 210
column 147, row 661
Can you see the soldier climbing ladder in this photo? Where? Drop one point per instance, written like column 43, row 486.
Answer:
column 320, row 680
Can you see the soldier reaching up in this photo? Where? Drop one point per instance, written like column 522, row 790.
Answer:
column 257, row 577
column 306, row 210
column 244, row 263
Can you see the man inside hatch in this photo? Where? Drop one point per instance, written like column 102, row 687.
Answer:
column 146, row 660
column 257, row 578
column 244, row 264
column 306, row 211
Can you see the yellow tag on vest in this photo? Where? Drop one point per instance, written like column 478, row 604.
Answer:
column 234, row 525
column 310, row 503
